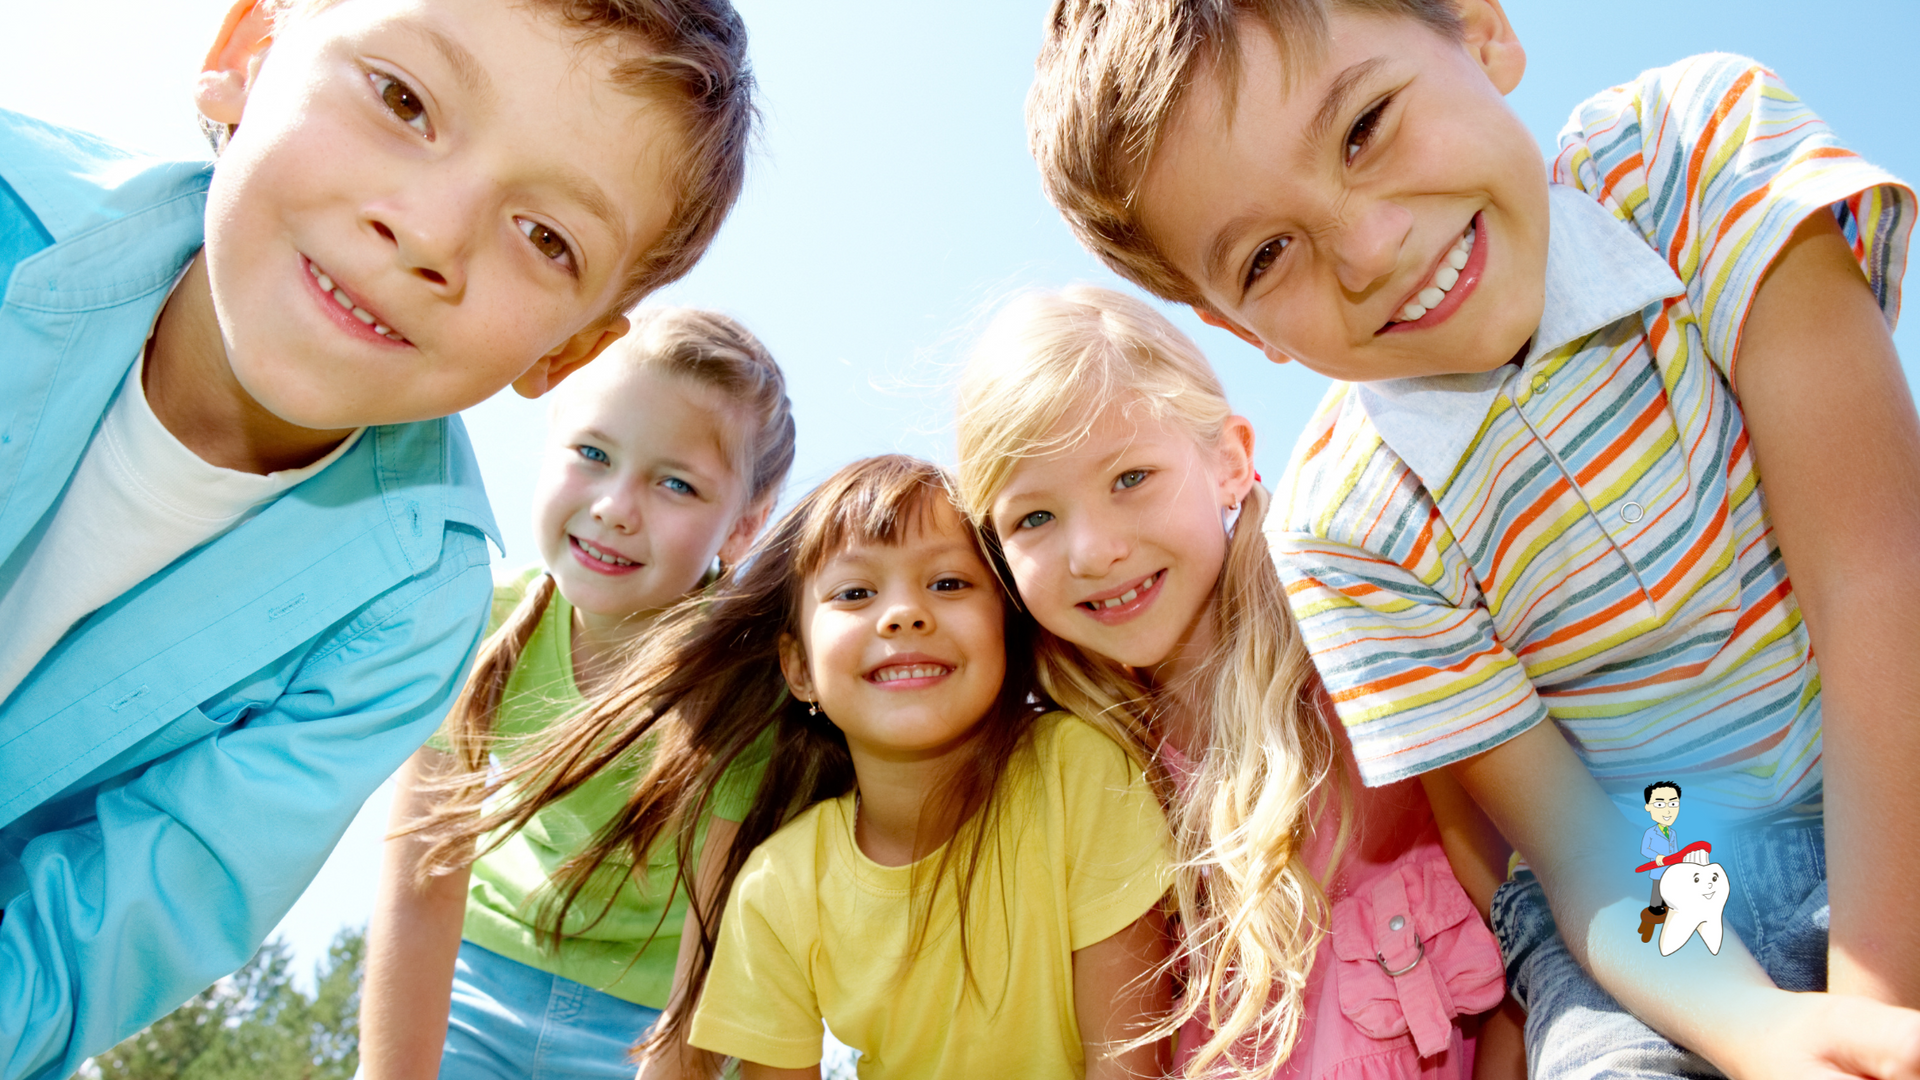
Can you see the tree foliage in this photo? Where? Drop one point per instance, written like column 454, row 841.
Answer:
column 254, row 1024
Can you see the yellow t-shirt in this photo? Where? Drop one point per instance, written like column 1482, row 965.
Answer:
column 814, row 929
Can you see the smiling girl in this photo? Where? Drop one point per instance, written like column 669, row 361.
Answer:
column 1322, row 931
column 957, row 881
column 661, row 459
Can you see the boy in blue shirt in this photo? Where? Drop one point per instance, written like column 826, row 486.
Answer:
column 1536, row 496
column 242, row 554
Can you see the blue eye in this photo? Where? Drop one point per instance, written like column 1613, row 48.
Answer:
column 1035, row 519
column 593, row 454
column 678, row 486
column 1129, row 479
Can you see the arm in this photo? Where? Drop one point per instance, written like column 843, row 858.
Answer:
column 751, row 1071
column 1120, row 987
column 677, row 1058
column 1475, row 849
column 1834, row 433
column 1722, row 1007
column 412, row 943
column 192, row 859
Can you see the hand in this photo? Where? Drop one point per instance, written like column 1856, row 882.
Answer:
column 1831, row 1037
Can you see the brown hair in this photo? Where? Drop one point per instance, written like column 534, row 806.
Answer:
column 708, row 348
column 1252, row 912
column 706, row 688
column 688, row 57
column 1110, row 76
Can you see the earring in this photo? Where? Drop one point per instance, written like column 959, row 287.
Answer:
column 1229, row 516
column 813, row 708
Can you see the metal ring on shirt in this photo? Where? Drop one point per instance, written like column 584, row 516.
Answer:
column 1422, row 955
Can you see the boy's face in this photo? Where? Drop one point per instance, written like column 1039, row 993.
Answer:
column 425, row 201
column 1323, row 218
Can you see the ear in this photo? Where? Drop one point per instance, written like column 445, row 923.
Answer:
column 793, row 664
column 1236, row 460
column 1488, row 36
column 228, row 71
column 571, row 356
column 745, row 528
column 1213, row 318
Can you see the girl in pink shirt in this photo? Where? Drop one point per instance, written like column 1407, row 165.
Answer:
column 1324, row 933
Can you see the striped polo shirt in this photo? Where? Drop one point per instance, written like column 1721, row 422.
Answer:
column 1582, row 535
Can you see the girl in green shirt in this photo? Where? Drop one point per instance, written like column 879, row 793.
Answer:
column 662, row 462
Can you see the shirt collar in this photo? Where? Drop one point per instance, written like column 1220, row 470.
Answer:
column 1599, row 270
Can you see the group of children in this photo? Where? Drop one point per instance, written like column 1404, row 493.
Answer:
column 1086, row 758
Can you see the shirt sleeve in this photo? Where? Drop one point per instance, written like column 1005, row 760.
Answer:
column 758, row 1004
column 1716, row 162
column 1117, row 863
column 1389, row 610
column 506, row 596
column 189, row 863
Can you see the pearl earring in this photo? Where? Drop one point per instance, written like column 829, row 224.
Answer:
column 813, row 708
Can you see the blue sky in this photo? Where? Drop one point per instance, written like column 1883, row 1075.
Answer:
column 892, row 203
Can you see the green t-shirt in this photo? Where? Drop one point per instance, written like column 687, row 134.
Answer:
column 502, row 905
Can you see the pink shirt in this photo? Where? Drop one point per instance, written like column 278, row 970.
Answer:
column 1396, row 908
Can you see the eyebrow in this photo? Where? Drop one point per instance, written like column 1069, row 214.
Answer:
column 467, row 69
column 579, row 187
column 1335, row 103
column 1224, row 241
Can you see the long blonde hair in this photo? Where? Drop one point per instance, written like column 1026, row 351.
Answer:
column 1251, row 910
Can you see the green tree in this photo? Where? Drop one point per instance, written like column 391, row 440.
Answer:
column 255, row 1025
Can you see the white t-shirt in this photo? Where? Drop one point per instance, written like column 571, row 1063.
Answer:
column 139, row 500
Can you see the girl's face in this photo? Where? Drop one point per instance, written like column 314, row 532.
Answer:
column 902, row 645
column 638, row 491
column 1116, row 542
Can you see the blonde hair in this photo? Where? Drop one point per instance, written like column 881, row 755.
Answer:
column 1110, row 76
column 710, row 349
column 1251, row 910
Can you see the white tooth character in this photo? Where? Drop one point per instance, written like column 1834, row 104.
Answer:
column 1696, row 894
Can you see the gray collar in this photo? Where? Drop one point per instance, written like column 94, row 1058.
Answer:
column 1599, row 270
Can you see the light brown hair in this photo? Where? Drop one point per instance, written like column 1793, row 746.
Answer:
column 1110, row 77
column 1252, row 912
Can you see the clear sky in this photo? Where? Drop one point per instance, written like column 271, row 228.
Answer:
column 892, row 202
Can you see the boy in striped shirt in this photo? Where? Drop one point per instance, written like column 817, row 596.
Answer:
column 1536, row 494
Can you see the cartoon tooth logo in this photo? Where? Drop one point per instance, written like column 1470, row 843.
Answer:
column 1696, row 893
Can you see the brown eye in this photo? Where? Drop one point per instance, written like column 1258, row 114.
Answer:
column 401, row 101
column 546, row 241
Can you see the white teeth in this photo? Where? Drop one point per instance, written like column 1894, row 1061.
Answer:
column 603, row 556
column 1444, row 279
column 1127, row 597
column 364, row 316
column 916, row 671
column 382, row 328
column 340, row 297
column 326, row 282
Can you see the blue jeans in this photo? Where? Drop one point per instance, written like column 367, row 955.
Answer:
column 514, row 1022
column 1576, row 1029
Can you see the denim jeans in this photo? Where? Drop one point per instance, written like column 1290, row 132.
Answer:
column 511, row 1021
column 1575, row 1029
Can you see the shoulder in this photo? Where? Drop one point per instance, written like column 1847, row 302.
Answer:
column 1663, row 113
column 1344, row 481
column 1064, row 744
column 72, row 181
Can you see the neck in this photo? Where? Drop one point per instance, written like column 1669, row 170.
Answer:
column 900, row 821
column 193, row 392
column 1181, row 689
column 600, row 645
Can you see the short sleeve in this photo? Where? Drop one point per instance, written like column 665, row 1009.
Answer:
column 758, row 1003
column 1390, row 612
column 1716, row 162
column 1117, row 839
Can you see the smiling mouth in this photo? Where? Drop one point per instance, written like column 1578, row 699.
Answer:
column 347, row 304
column 903, row 672
column 1124, row 598
column 600, row 554
column 1445, row 277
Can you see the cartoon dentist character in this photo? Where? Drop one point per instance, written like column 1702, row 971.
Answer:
column 1659, row 843
column 1682, row 876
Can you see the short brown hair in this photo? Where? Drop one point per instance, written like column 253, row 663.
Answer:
column 1110, row 75
column 689, row 57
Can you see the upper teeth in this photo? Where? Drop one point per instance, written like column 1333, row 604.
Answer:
column 1130, row 595
column 1443, row 279
column 916, row 671
column 340, row 297
column 603, row 556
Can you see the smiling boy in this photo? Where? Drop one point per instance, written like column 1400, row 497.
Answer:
column 242, row 553
column 1536, row 494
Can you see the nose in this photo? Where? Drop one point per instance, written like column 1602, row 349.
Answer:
column 618, row 509
column 904, row 617
column 1093, row 549
column 432, row 229
column 1367, row 246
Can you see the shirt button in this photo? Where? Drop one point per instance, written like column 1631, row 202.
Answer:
column 1632, row 512
column 1396, row 922
column 1540, row 384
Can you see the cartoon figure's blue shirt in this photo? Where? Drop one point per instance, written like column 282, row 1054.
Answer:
column 1654, row 843
column 175, row 770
